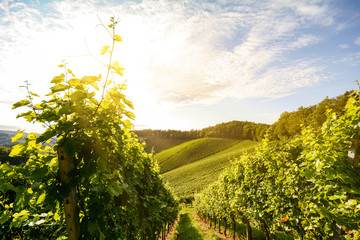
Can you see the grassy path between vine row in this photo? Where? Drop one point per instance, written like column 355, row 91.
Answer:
column 191, row 227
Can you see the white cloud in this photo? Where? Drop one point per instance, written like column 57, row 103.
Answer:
column 357, row 41
column 304, row 41
column 344, row 46
column 174, row 52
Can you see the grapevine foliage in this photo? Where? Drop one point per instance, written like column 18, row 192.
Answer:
column 306, row 187
column 120, row 193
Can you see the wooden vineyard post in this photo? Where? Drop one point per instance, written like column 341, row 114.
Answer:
column 66, row 164
column 248, row 230
column 234, row 227
column 219, row 225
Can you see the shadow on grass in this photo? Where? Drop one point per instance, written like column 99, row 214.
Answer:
column 185, row 230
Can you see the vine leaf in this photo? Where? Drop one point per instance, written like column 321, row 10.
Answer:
column 118, row 68
column 58, row 79
column 21, row 103
column 117, row 38
column 105, row 49
column 41, row 198
column 17, row 136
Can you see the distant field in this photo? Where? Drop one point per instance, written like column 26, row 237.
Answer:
column 160, row 144
column 195, row 175
column 191, row 151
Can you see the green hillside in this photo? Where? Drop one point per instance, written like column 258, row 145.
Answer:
column 205, row 165
column 157, row 145
column 192, row 151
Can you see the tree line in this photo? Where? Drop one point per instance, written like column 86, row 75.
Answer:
column 287, row 126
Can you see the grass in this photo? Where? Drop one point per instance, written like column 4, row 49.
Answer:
column 240, row 229
column 189, row 227
column 157, row 145
column 191, row 151
column 193, row 177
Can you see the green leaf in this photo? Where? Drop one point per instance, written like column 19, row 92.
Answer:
column 21, row 103
column 72, row 146
column 41, row 198
column 129, row 103
column 90, row 79
column 59, row 88
column 39, row 173
column 58, row 79
column 117, row 38
column 57, row 216
column 92, row 228
column 117, row 67
column 4, row 217
column 17, row 136
column 46, row 135
column 104, row 50
column 74, row 82
column 17, row 150
column 114, row 188
column 11, row 187
column 33, row 94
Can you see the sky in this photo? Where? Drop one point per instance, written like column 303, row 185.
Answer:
column 188, row 64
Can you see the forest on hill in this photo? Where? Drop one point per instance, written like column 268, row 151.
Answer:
column 287, row 126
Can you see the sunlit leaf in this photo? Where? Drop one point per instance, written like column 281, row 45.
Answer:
column 94, row 85
column 30, row 191
column 58, row 79
column 104, row 50
column 117, row 38
column 41, row 198
column 117, row 67
column 17, row 136
column 21, row 103
column 17, row 150
column 89, row 79
column 74, row 82
column 129, row 103
column 38, row 106
column 59, row 88
column 33, row 94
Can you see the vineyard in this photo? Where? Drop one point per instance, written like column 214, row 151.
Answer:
column 306, row 187
column 88, row 176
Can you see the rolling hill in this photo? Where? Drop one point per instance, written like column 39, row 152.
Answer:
column 191, row 166
column 192, row 151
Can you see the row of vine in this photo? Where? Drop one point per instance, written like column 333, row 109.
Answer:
column 305, row 187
